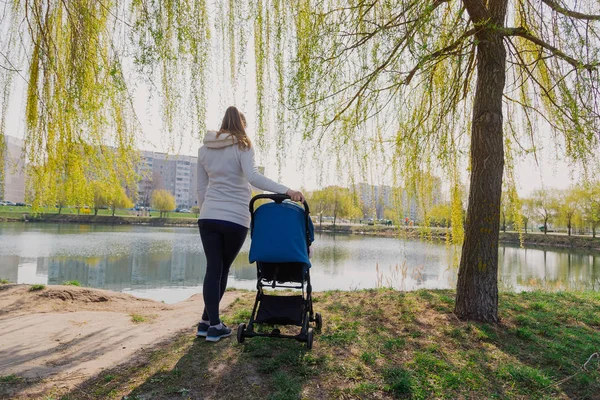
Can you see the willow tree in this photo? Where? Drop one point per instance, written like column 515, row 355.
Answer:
column 485, row 76
column 409, row 84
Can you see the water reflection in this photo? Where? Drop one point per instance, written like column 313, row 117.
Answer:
column 168, row 264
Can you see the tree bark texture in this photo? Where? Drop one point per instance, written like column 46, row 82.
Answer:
column 477, row 286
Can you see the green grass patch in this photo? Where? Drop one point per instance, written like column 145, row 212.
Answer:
column 138, row 318
column 381, row 344
column 37, row 287
column 398, row 381
column 4, row 281
column 368, row 357
column 10, row 378
column 72, row 283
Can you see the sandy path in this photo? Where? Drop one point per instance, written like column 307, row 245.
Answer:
column 73, row 333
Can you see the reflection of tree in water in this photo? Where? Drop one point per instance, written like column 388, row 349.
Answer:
column 595, row 277
column 241, row 269
column 155, row 259
column 333, row 253
column 539, row 268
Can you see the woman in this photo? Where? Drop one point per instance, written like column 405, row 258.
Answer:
column 225, row 167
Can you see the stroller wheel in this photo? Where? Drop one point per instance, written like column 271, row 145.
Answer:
column 240, row 333
column 319, row 321
column 309, row 338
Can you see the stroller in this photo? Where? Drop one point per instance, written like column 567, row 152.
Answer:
column 281, row 233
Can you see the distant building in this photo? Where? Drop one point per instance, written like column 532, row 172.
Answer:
column 377, row 198
column 12, row 173
column 175, row 173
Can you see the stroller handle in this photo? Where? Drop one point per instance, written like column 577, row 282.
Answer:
column 277, row 198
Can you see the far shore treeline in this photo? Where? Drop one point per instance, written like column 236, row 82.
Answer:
column 574, row 211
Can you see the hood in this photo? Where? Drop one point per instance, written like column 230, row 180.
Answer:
column 212, row 141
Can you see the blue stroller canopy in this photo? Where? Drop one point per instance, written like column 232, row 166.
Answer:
column 279, row 234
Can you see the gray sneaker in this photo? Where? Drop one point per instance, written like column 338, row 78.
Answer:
column 202, row 329
column 214, row 334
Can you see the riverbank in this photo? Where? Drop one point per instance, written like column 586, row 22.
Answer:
column 98, row 219
column 529, row 239
column 375, row 344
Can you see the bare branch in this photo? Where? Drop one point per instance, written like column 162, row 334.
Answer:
column 569, row 13
column 11, row 68
column 524, row 33
column 8, row 69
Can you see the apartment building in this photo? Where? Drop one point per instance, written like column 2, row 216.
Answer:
column 377, row 198
column 12, row 173
column 175, row 173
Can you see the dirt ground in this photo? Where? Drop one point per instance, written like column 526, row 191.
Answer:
column 65, row 334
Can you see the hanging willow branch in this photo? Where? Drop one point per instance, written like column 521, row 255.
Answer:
column 391, row 80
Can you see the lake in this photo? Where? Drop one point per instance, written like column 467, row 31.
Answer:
column 167, row 263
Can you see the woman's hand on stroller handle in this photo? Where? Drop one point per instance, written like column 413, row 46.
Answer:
column 295, row 195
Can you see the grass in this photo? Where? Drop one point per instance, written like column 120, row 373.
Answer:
column 139, row 318
column 381, row 344
column 72, row 283
column 10, row 379
column 4, row 281
column 19, row 211
column 35, row 288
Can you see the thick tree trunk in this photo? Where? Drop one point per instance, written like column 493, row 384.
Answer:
column 477, row 286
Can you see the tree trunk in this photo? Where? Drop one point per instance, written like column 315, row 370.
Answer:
column 569, row 227
column 95, row 212
column 477, row 286
column 545, row 226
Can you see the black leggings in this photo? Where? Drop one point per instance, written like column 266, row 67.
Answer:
column 222, row 243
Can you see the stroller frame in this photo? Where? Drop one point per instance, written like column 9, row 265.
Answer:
column 308, row 315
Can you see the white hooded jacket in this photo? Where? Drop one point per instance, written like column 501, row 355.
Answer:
column 225, row 173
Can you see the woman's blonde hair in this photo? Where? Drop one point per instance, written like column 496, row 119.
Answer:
column 234, row 123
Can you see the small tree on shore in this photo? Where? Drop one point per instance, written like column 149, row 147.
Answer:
column 162, row 201
column 566, row 207
column 544, row 206
column 589, row 201
column 335, row 201
column 121, row 201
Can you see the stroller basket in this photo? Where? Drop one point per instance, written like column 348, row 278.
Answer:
column 281, row 234
column 281, row 310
